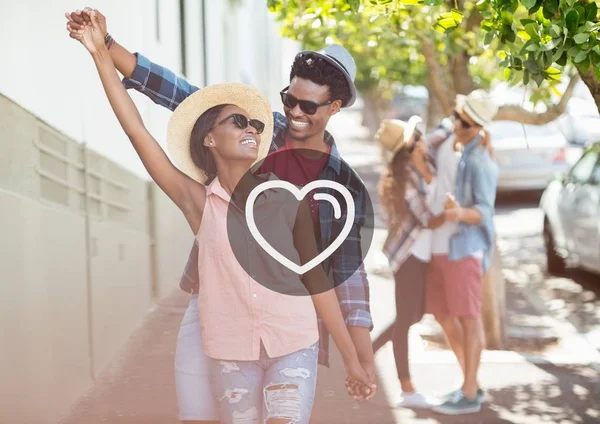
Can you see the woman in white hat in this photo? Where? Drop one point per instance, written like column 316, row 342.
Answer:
column 405, row 192
column 262, row 344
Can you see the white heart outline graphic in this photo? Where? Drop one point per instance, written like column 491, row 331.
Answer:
column 300, row 194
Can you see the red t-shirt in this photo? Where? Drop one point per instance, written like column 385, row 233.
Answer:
column 288, row 164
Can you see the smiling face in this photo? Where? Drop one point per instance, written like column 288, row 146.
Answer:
column 465, row 128
column 302, row 127
column 227, row 141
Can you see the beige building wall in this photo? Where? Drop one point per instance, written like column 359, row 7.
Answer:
column 66, row 305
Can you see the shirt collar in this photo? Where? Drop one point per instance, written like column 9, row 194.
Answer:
column 215, row 188
column 472, row 144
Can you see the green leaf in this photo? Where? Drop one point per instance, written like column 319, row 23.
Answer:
column 591, row 11
column 573, row 51
column 444, row 25
column 354, row 4
column 562, row 61
column 553, row 73
column 551, row 6
column 581, row 56
column 581, row 38
column 538, row 78
column 558, row 53
column 533, row 30
column 597, row 73
column 526, row 77
column 537, row 6
column 584, row 65
column 527, row 21
column 531, row 66
column 529, row 4
column 555, row 31
column 457, row 15
column 487, row 40
column 552, row 44
column 572, row 20
column 547, row 13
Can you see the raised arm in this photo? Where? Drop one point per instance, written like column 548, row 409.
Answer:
column 159, row 84
column 187, row 194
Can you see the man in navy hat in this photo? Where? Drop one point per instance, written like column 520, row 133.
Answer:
column 321, row 83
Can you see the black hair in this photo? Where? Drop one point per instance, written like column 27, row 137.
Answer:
column 321, row 72
column 201, row 155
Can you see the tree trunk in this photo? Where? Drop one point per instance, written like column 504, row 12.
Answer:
column 589, row 78
column 375, row 110
column 461, row 77
column 435, row 113
column 494, row 304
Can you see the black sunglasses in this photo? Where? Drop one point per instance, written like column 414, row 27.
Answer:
column 242, row 122
column 466, row 125
column 308, row 107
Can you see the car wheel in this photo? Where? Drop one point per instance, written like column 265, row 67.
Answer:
column 556, row 262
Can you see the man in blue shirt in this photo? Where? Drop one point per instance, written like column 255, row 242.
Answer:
column 462, row 247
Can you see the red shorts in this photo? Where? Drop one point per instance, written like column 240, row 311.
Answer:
column 454, row 288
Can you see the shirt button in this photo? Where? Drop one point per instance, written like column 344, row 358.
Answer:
column 254, row 295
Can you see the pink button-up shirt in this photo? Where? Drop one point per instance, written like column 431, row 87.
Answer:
column 236, row 312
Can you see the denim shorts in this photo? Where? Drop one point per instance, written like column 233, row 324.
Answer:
column 256, row 391
column 192, row 375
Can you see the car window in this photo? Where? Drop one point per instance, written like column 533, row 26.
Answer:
column 581, row 172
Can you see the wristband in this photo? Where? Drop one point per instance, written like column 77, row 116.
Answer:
column 109, row 41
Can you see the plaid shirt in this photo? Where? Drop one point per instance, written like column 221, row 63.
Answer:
column 397, row 246
column 345, row 266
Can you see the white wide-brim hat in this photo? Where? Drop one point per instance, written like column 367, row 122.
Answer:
column 479, row 105
column 187, row 113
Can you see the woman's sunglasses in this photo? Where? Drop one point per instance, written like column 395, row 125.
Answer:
column 416, row 138
column 466, row 125
column 308, row 107
column 242, row 122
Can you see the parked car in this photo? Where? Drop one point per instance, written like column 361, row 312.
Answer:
column 571, row 205
column 528, row 155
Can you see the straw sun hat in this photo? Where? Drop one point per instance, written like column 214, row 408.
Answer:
column 187, row 113
column 394, row 134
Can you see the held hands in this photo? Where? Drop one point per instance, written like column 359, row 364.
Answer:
column 87, row 25
column 363, row 388
column 452, row 210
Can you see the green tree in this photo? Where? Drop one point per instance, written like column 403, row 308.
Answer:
column 541, row 38
column 396, row 44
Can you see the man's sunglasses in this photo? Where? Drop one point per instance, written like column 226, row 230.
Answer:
column 466, row 125
column 308, row 107
column 242, row 122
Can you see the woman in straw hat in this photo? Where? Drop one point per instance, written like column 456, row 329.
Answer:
column 405, row 192
column 261, row 345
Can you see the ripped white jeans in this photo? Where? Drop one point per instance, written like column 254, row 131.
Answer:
column 253, row 392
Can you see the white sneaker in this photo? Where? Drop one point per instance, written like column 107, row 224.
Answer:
column 414, row 400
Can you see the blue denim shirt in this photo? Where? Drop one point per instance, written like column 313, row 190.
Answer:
column 476, row 182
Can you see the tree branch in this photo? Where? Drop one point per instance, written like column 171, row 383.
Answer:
column 474, row 20
column 519, row 114
column 436, row 84
column 592, row 83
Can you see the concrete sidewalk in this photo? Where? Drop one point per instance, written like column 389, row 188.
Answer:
column 138, row 387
